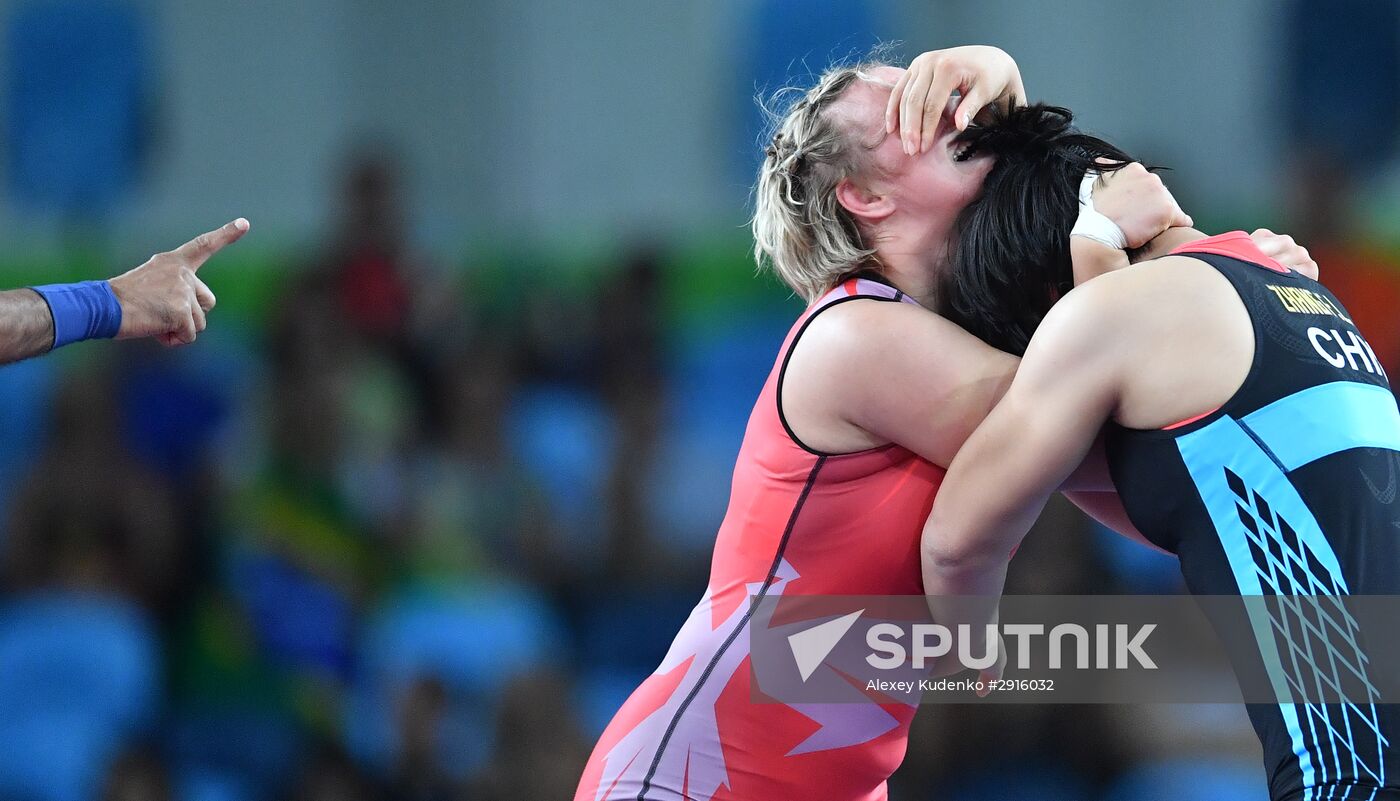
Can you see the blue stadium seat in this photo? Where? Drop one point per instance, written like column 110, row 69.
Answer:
column 473, row 639
column 207, row 785
column 231, row 750
column 26, row 389
column 1199, row 779
column 54, row 755
column 631, row 631
column 81, row 675
column 565, row 438
column 602, row 692
column 715, row 376
column 79, row 76
column 1017, row 782
column 716, row 370
column 88, row 653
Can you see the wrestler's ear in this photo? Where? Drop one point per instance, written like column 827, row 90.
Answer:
column 862, row 203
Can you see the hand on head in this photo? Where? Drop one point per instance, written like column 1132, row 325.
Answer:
column 980, row 75
column 1139, row 203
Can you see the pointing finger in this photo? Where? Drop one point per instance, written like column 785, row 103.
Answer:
column 198, row 250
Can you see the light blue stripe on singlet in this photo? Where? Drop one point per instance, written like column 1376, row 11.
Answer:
column 1326, row 419
column 1206, row 453
column 1260, row 449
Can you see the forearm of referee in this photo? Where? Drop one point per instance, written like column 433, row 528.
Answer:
column 26, row 325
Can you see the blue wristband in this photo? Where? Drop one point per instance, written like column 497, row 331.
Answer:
column 87, row 310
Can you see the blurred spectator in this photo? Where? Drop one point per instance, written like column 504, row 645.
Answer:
column 295, row 567
column 472, row 507
column 539, row 750
column 631, row 304
column 1342, row 117
column 173, row 407
column 89, row 516
column 330, row 775
column 366, row 257
column 559, row 335
column 1342, row 62
column 630, row 307
column 387, row 295
column 419, row 775
column 1366, row 278
column 137, row 775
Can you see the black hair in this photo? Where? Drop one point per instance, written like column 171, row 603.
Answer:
column 1011, row 262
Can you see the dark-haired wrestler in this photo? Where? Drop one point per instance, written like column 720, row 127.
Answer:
column 1242, row 409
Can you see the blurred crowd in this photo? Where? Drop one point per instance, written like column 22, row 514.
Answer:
column 310, row 561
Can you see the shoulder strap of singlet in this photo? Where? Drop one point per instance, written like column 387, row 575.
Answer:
column 1235, row 245
column 862, row 286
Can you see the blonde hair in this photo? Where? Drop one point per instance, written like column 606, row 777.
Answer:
column 800, row 229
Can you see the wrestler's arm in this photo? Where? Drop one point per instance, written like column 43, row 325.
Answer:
column 948, row 382
column 1065, row 391
column 1090, row 487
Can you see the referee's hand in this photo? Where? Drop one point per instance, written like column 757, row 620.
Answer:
column 164, row 297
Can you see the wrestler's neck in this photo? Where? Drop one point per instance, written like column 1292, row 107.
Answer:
column 913, row 279
column 912, row 262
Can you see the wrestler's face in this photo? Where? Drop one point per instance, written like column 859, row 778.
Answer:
column 928, row 189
